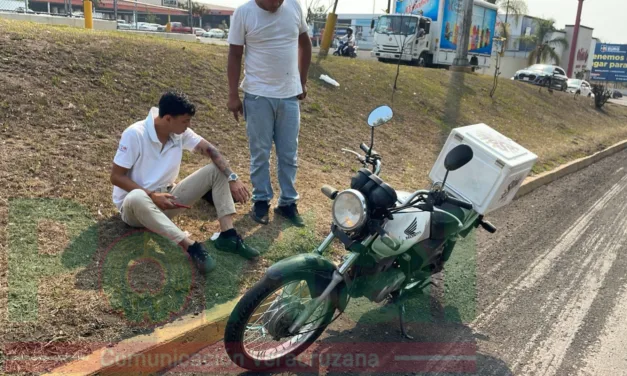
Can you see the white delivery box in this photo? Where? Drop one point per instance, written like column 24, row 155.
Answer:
column 495, row 173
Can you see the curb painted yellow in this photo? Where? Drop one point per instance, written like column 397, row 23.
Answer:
column 147, row 354
column 178, row 340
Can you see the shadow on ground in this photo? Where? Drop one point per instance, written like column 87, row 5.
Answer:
column 148, row 281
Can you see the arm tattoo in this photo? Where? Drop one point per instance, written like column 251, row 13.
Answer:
column 217, row 158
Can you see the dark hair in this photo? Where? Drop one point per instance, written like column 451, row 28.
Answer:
column 175, row 103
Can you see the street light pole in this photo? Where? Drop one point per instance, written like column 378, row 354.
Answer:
column 573, row 45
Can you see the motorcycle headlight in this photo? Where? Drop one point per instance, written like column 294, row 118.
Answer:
column 350, row 210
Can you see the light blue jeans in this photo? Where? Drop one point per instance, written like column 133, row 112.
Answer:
column 273, row 120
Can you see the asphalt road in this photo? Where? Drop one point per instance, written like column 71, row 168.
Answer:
column 550, row 297
column 622, row 101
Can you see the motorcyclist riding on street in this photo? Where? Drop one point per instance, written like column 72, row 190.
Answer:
column 348, row 42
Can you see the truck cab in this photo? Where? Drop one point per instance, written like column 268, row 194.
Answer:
column 405, row 36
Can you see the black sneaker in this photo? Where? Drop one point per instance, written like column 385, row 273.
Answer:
column 201, row 258
column 291, row 213
column 259, row 212
column 235, row 244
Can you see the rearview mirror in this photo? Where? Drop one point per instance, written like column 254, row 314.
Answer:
column 380, row 116
column 458, row 157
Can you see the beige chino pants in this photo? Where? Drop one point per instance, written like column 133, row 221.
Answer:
column 139, row 211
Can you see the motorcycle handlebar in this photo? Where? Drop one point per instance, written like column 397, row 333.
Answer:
column 461, row 204
column 364, row 147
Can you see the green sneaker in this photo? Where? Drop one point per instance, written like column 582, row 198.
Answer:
column 235, row 244
column 204, row 263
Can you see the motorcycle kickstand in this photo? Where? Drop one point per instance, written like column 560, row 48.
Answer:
column 401, row 315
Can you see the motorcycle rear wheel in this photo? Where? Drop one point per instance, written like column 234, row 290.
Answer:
column 262, row 312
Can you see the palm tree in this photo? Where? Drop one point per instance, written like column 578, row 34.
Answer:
column 544, row 50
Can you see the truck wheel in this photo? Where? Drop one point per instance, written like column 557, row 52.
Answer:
column 422, row 60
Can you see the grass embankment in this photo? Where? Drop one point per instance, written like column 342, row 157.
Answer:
column 66, row 95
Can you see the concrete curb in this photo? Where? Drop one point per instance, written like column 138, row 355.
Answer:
column 533, row 183
column 148, row 354
column 180, row 340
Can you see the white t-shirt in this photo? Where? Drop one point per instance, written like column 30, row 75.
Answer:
column 271, row 52
column 150, row 167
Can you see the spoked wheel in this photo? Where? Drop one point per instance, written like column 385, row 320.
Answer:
column 257, row 334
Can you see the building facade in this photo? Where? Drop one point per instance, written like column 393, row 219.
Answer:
column 516, row 51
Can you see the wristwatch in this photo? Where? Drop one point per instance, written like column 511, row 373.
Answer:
column 233, row 177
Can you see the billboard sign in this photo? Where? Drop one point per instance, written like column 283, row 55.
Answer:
column 482, row 29
column 610, row 63
column 429, row 8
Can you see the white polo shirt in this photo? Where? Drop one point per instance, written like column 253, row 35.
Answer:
column 149, row 166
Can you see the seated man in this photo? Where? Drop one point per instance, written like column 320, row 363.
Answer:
column 146, row 165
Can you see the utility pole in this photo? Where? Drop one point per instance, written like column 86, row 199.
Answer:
column 191, row 15
column 389, row 5
column 329, row 30
column 461, row 60
column 573, row 44
column 115, row 10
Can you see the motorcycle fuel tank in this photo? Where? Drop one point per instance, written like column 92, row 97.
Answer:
column 409, row 227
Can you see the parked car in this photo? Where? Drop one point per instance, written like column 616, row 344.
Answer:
column 144, row 26
column 617, row 94
column 159, row 27
column 580, row 87
column 123, row 25
column 199, row 31
column 178, row 27
column 542, row 74
column 24, row 10
column 215, row 33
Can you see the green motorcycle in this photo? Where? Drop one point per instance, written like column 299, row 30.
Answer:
column 396, row 241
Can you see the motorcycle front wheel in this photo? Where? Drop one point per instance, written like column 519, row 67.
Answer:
column 256, row 336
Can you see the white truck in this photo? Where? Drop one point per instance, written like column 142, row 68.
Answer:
column 426, row 32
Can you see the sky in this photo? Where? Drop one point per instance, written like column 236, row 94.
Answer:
column 608, row 18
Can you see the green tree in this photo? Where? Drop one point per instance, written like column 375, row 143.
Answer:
column 151, row 18
column 198, row 10
column 544, row 50
column 517, row 8
column 317, row 12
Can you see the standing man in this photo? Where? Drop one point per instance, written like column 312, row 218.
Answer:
column 278, row 55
